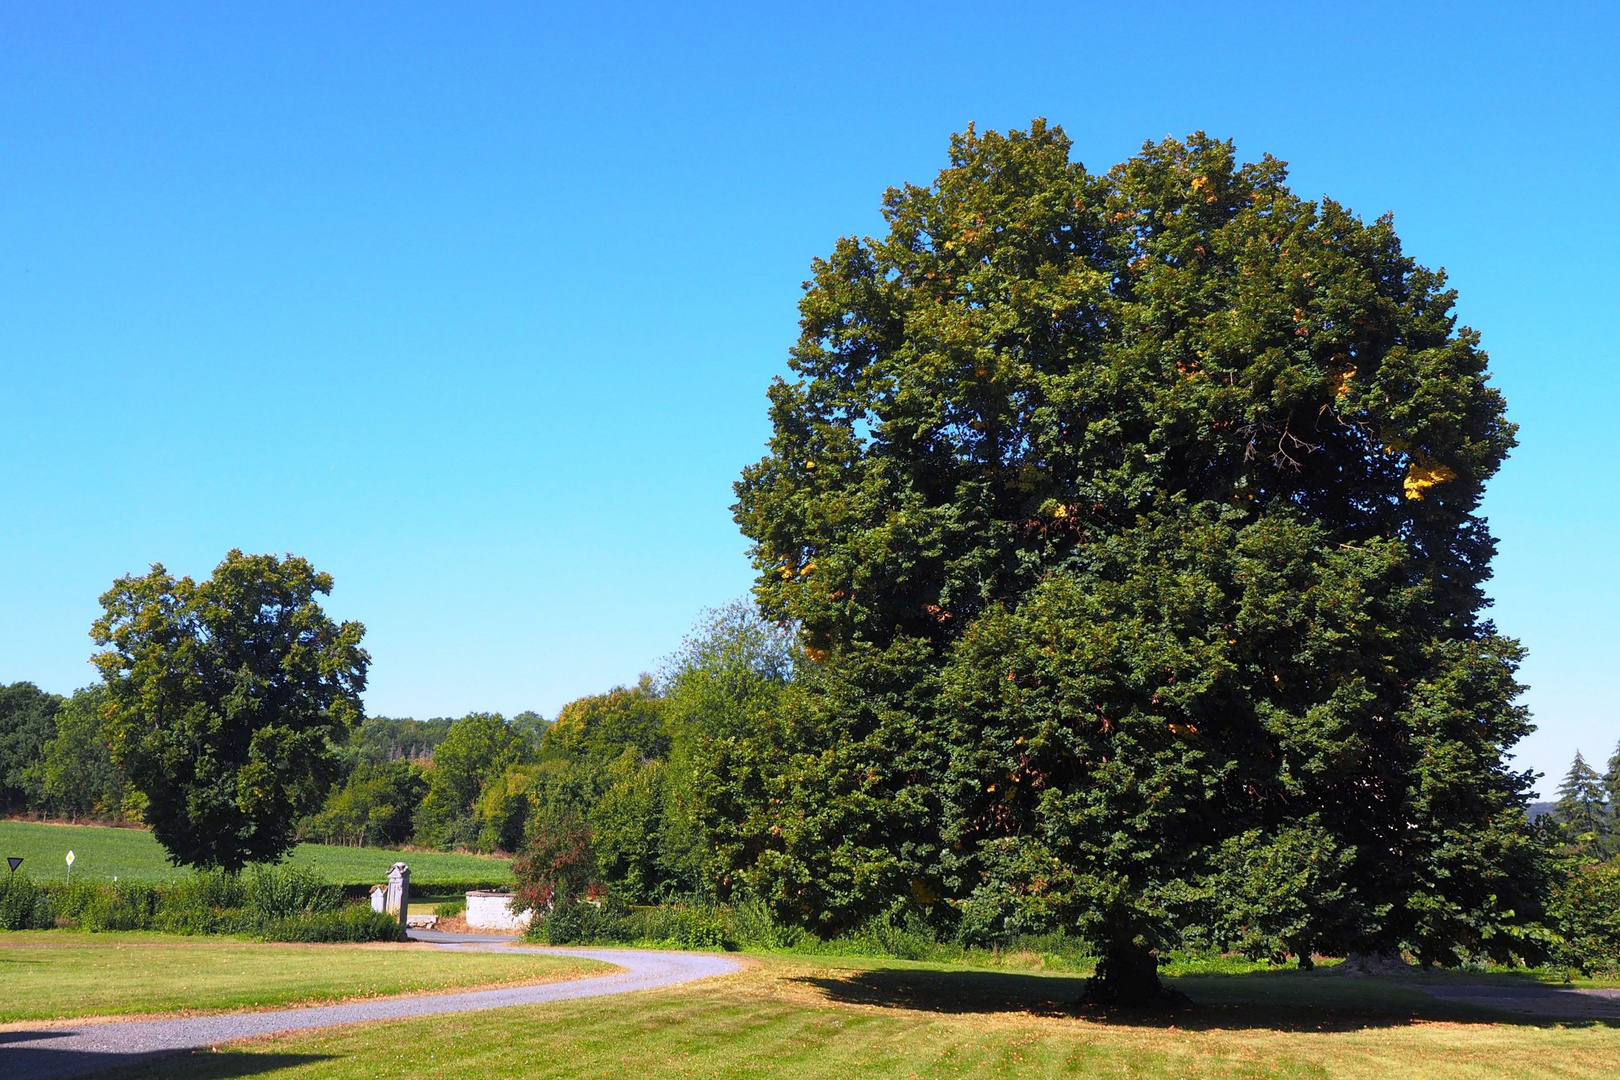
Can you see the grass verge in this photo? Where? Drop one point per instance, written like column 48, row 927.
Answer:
column 803, row 1019
column 53, row 974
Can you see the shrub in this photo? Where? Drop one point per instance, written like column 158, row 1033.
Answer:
column 754, row 927
column 558, row 867
column 23, row 905
column 1586, row 905
column 279, row 892
column 582, row 922
column 679, row 926
column 353, row 923
column 95, row 908
column 273, row 903
column 207, row 902
column 450, row 909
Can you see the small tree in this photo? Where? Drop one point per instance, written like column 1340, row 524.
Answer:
column 1581, row 810
column 558, row 866
column 230, row 700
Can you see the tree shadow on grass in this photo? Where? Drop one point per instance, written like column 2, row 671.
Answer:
column 1275, row 1001
column 44, row 1063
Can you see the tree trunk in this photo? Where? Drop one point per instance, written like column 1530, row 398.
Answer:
column 1127, row 975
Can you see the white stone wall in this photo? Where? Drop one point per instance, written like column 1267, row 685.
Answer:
column 493, row 911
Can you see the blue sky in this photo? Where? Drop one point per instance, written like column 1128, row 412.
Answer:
column 474, row 305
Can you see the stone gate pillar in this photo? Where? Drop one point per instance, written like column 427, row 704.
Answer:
column 398, row 900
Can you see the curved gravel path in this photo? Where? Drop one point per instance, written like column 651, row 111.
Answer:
column 52, row 1053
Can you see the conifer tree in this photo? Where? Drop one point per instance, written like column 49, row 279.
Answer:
column 1582, row 812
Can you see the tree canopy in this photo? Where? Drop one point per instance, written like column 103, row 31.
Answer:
column 27, row 723
column 1130, row 519
column 230, row 701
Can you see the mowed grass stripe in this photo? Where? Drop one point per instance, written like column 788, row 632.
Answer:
column 49, row 975
column 102, row 853
column 785, row 1018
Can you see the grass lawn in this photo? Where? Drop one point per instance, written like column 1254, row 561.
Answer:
column 101, row 853
column 54, row 974
column 798, row 1018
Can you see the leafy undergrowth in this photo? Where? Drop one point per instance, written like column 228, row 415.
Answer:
column 55, row 974
column 800, row 1018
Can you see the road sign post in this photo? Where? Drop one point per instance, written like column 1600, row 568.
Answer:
column 70, row 867
column 14, row 861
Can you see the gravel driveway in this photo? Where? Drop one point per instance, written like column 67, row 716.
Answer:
column 1549, row 1002
column 49, row 1053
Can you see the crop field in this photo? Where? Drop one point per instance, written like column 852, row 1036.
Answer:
column 792, row 1018
column 102, row 853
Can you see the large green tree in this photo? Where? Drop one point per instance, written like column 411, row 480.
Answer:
column 1131, row 523
column 230, row 701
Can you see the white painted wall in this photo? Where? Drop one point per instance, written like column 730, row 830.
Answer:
column 493, row 911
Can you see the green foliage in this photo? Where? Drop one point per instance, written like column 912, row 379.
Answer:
column 750, row 925
column 76, row 775
column 230, row 701
column 647, row 772
column 1129, row 520
column 503, row 808
column 272, row 903
column 1611, row 785
column 383, row 739
column 27, row 723
column 1282, row 894
column 451, row 909
column 374, row 806
column 728, row 684
column 581, row 922
column 478, row 749
column 352, row 923
column 23, row 904
column 602, row 782
column 600, row 728
column 1583, row 813
column 676, row 926
column 558, row 867
column 1586, row 905
column 628, row 830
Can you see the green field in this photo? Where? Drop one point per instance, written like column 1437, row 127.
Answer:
column 789, row 1018
column 102, row 853
column 51, row 974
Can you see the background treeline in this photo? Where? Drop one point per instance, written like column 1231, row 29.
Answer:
column 632, row 813
column 403, row 780
column 54, row 759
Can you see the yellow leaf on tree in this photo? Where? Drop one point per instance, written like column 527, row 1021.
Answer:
column 1423, row 474
column 1341, row 382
